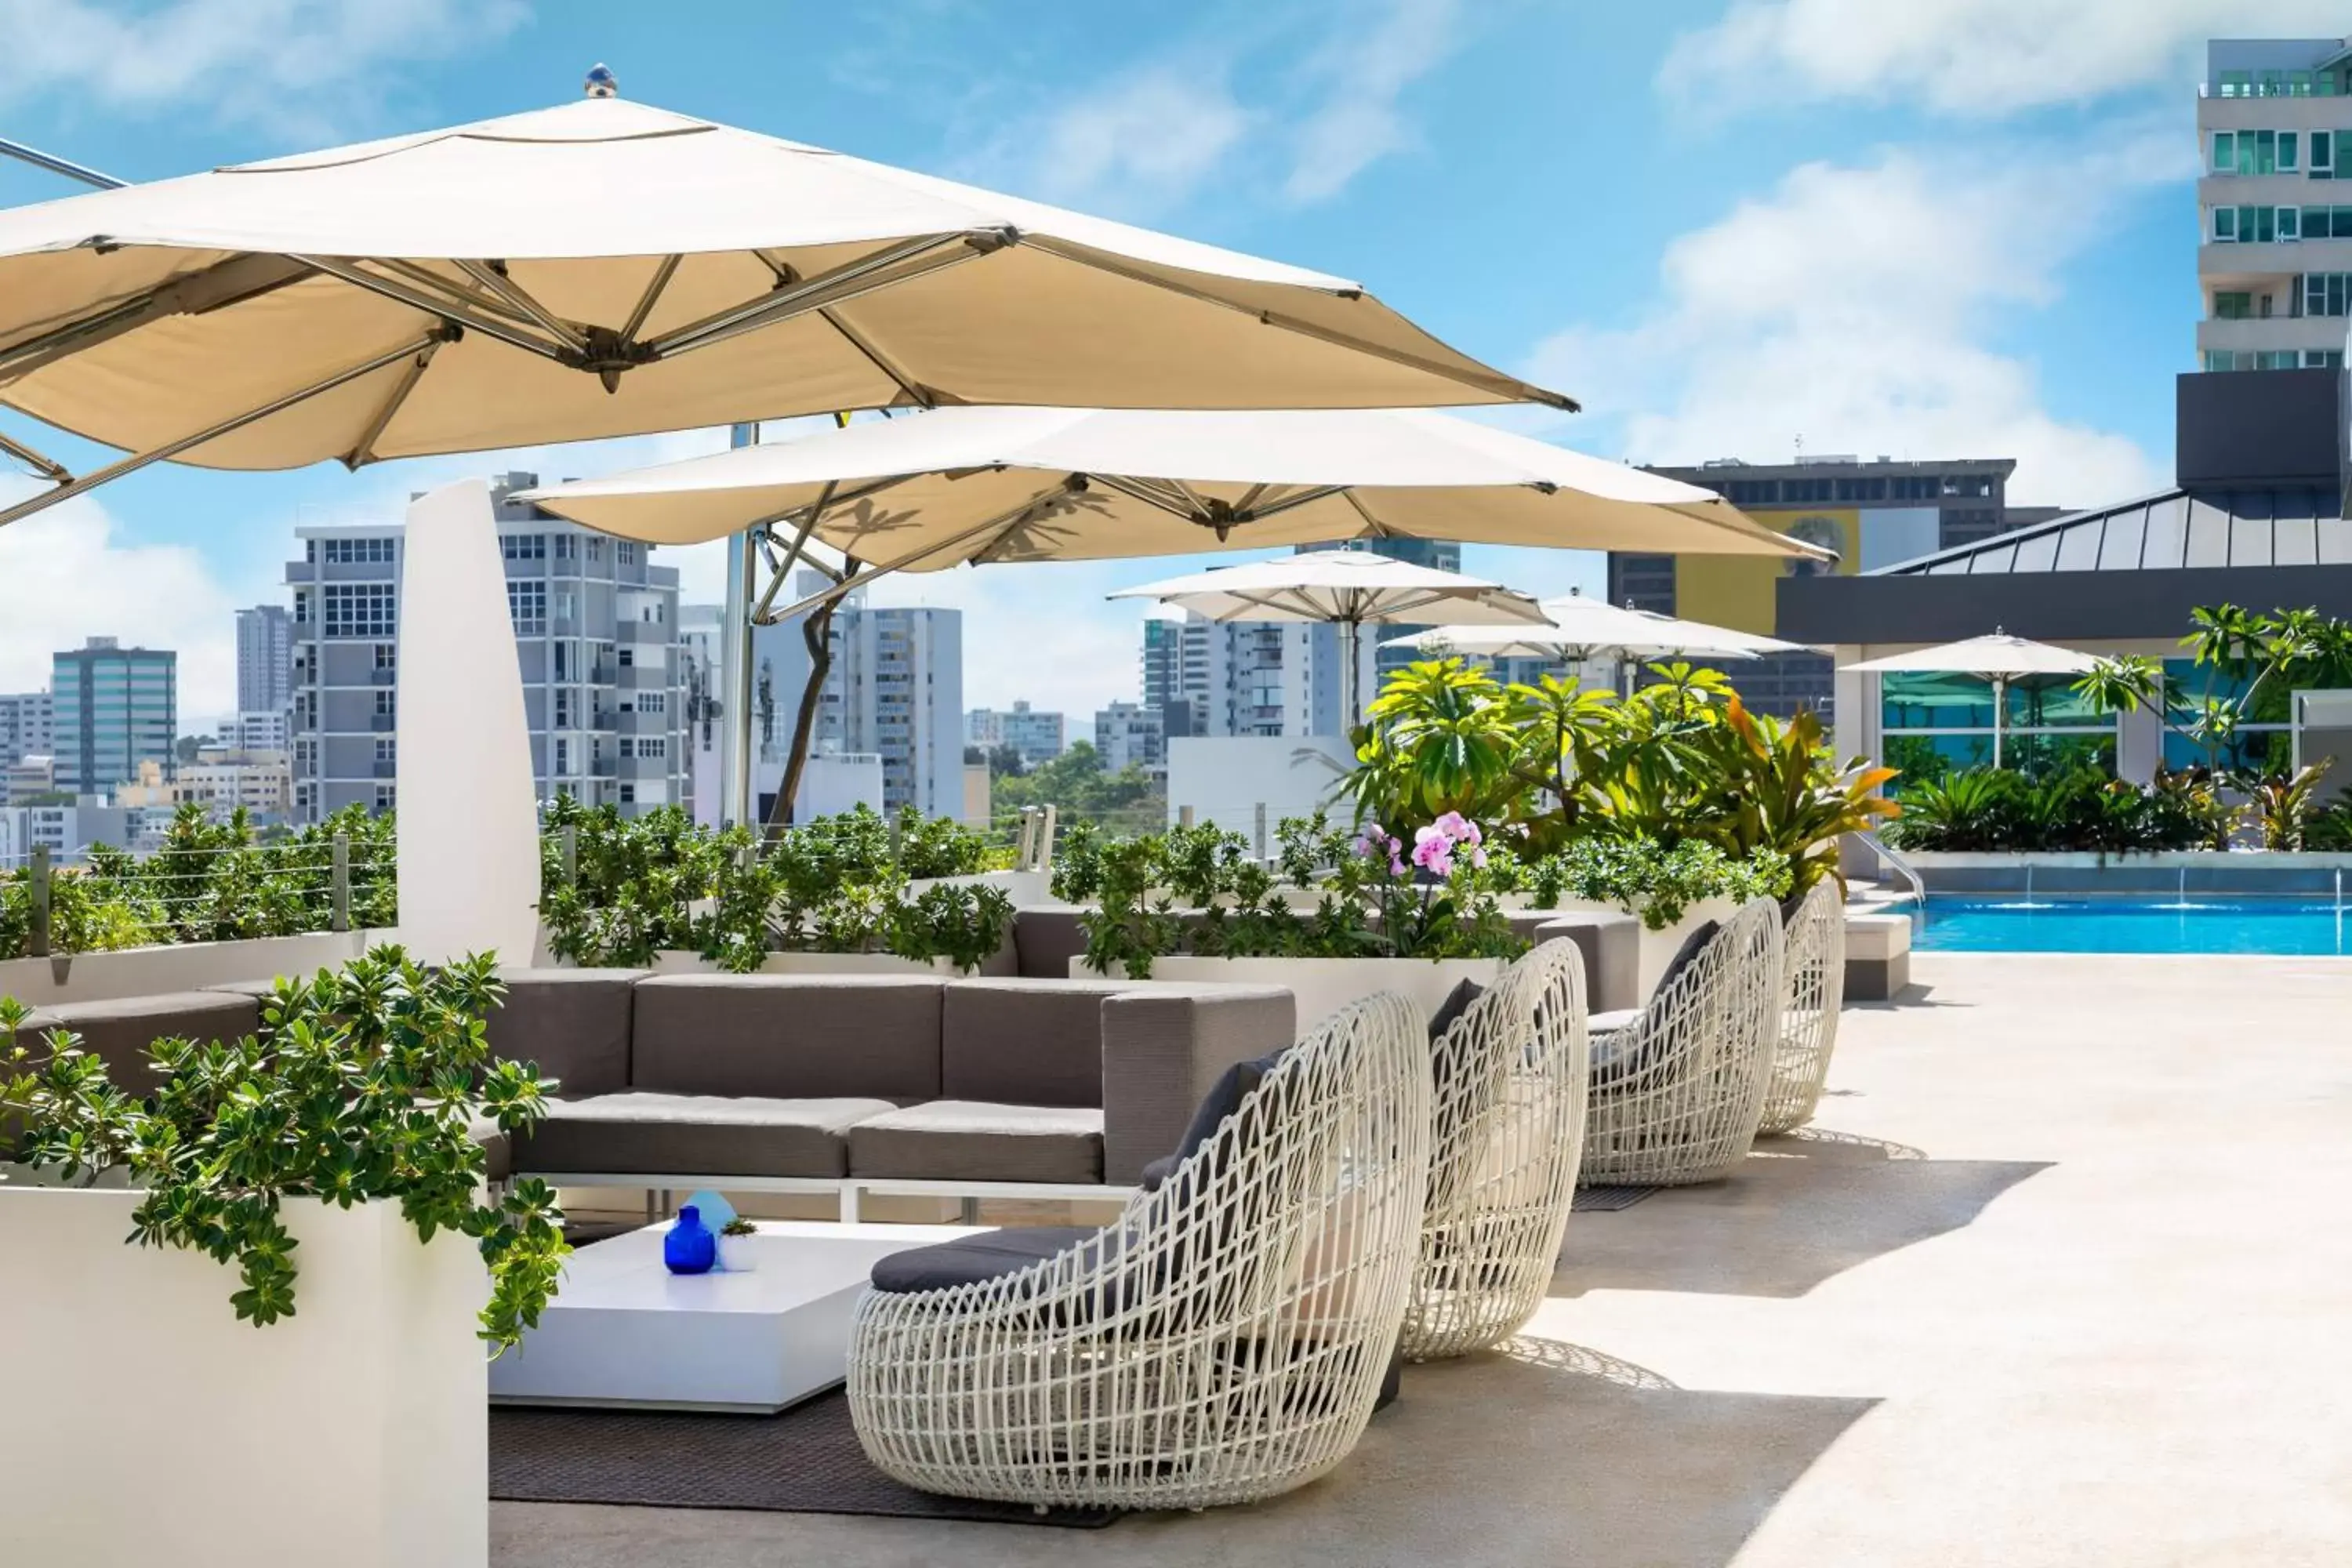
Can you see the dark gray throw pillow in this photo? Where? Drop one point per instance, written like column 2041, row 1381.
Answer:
column 1225, row 1096
column 1686, row 955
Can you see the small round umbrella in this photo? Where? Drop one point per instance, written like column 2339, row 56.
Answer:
column 1347, row 587
column 1999, row 659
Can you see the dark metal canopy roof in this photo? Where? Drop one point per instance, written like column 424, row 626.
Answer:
column 2171, row 529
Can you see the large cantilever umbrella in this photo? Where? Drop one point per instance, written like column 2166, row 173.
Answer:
column 608, row 269
column 1349, row 588
column 984, row 485
column 1999, row 659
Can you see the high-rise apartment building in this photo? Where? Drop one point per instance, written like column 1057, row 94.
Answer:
column 1236, row 678
column 894, row 691
column 596, row 628
column 1037, row 736
column 2274, row 203
column 28, row 728
column 1128, row 734
column 112, row 708
column 265, row 659
column 1871, row 513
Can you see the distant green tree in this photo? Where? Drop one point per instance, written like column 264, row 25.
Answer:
column 1077, row 783
column 1007, row 761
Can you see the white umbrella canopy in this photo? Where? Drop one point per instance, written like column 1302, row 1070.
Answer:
column 1348, row 587
column 607, row 269
column 1576, row 627
column 1998, row 655
column 980, row 485
column 1999, row 658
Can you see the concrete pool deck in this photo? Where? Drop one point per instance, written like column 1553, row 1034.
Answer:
column 2063, row 1279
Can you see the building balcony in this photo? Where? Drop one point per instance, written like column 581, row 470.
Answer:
column 384, row 723
column 2273, row 114
column 2280, row 258
column 385, row 770
column 604, row 767
column 2273, row 332
column 384, row 678
column 2295, row 190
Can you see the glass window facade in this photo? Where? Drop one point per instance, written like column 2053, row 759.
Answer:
column 359, row 609
column 1932, row 723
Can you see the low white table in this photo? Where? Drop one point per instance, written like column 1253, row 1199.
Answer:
column 624, row 1330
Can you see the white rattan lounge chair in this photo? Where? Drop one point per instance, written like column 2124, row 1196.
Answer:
column 1677, row 1093
column 1812, row 988
column 1509, row 1127
column 1223, row 1341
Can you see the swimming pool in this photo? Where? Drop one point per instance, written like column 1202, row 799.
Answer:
column 1995, row 923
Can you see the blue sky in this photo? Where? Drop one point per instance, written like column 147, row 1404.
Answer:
column 1946, row 227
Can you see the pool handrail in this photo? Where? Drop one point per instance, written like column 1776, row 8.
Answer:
column 1902, row 868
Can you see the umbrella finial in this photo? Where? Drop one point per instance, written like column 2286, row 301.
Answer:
column 601, row 82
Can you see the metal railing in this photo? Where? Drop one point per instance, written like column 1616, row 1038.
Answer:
column 1903, row 868
column 163, row 900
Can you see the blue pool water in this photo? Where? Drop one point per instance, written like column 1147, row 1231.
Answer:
column 1994, row 923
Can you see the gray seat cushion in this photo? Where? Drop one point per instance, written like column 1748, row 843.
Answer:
column 574, row 1023
column 1024, row 1042
column 120, row 1033
column 636, row 1133
column 974, row 1260
column 788, row 1037
column 960, row 1140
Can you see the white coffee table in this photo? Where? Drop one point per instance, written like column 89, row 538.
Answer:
column 624, row 1330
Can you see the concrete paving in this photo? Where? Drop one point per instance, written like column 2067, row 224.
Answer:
column 2063, row 1277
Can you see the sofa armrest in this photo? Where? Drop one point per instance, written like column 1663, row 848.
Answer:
column 1611, row 945
column 1163, row 1047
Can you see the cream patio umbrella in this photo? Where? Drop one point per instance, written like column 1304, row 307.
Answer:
column 608, row 269
column 1577, row 628
column 1999, row 659
column 988, row 484
column 1346, row 587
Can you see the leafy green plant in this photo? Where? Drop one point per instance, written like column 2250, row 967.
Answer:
column 1778, row 790
column 1438, row 738
column 1197, row 891
column 1659, row 884
column 2282, row 804
column 363, row 1085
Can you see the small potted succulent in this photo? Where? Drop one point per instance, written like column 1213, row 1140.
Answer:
column 735, row 1252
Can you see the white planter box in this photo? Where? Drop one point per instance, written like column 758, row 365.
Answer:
column 1658, row 947
column 181, row 966
column 673, row 962
column 152, row 1426
column 1323, row 985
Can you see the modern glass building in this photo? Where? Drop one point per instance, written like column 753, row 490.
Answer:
column 112, row 708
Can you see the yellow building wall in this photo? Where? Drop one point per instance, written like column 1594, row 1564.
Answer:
column 1736, row 591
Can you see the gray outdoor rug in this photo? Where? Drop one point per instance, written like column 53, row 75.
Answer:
column 1603, row 1200
column 806, row 1461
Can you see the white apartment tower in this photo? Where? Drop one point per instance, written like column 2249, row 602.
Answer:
column 596, row 635
column 894, row 691
column 2274, row 204
column 265, row 659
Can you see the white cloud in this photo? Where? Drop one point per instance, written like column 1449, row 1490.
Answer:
column 1850, row 310
column 1967, row 58
column 1134, row 146
column 72, row 576
column 288, row 63
column 1147, row 141
column 1368, row 70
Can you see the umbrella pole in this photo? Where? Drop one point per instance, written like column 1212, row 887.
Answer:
column 735, row 666
column 2000, row 696
column 1350, row 698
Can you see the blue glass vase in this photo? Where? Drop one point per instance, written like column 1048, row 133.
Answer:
column 689, row 1247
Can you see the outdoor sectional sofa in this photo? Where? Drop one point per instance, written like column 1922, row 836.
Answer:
column 842, row 1084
